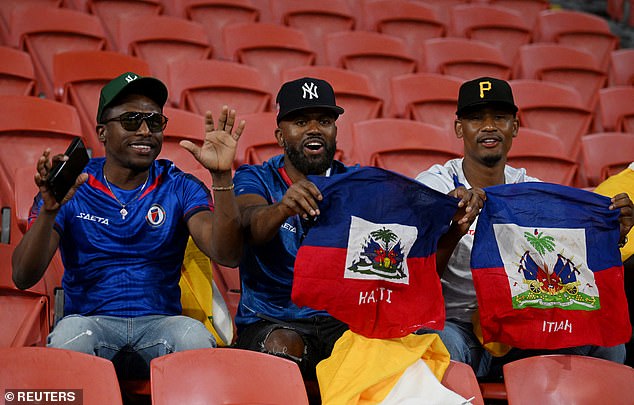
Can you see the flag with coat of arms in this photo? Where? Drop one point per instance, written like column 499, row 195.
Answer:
column 370, row 257
column 547, row 269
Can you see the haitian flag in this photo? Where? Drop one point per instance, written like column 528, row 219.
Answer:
column 369, row 259
column 547, row 269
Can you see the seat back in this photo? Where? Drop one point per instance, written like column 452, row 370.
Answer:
column 412, row 148
column 78, row 77
column 605, row 154
column 426, row 97
column 558, row 379
column 315, row 20
column 162, row 40
column 257, row 144
column 270, row 48
column 621, row 72
column 460, row 378
column 499, row 26
column 413, row 22
column 17, row 76
column 579, row 30
column 217, row 376
column 529, row 9
column 59, row 369
column 543, row 156
column 463, row 58
column 616, row 106
column 182, row 125
column 562, row 64
column 46, row 32
column 7, row 7
column 202, row 85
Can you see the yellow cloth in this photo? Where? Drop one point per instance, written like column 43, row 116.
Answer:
column 363, row 371
column 622, row 182
column 197, row 290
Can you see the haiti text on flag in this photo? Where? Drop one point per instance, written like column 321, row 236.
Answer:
column 369, row 259
column 547, row 268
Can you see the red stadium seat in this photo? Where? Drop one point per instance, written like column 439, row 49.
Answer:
column 413, row 22
column 617, row 108
column 499, row 26
column 605, row 154
column 557, row 379
column 202, row 85
column 78, row 77
column 162, row 40
column 57, row 369
column 270, row 48
column 621, row 71
column 543, row 156
column 17, row 76
column 315, row 20
column 579, row 30
column 463, row 58
column 529, row 9
column 410, row 148
column 264, row 378
column 46, row 32
column 563, row 64
column 460, row 378
column 182, row 125
column 258, row 143
column 7, row 7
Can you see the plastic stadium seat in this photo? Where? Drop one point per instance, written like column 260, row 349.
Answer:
column 46, row 32
column 219, row 376
column 621, row 72
column 162, row 40
column 270, row 48
column 616, row 106
column 404, row 146
column 499, row 26
column 569, row 379
column 59, row 369
column 563, row 64
column 203, row 85
column 529, row 9
column 17, row 76
column 378, row 56
column 214, row 15
column 616, row 9
column 258, row 143
column 553, row 108
column 110, row 12
column 182, row 125
column 460, row 378
column 78, row 77
column 354, row 94
column 579, row 30
column 227, row 280
column 315, row 20
column 463, row 58
column 426, row 97
column 543, row 156
column 443, row 7
column 6, row 8
column 411, row 21
column 605, row 154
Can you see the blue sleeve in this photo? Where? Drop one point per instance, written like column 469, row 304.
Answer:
column 196, row 196
column 248, row 181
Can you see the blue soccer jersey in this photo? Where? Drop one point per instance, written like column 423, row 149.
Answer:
column 128, row 265
column 266, row 271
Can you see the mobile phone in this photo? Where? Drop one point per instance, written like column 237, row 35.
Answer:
column 64, row 173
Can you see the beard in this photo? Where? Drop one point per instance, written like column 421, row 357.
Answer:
column 311, row 164
column 491, row 160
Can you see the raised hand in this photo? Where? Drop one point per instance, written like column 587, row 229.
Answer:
column 44, row 166
column 623, row 203
column 219, row 147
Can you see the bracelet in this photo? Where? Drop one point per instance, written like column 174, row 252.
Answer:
column 221, row 188
column 621, row 244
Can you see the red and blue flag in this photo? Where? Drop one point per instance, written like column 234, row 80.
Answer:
column 370, row 257
column 547, row 269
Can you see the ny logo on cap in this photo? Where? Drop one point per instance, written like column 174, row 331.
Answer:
column 484, row 86
column 130, row 78
column 310, row 90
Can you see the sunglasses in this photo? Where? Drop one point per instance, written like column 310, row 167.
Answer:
column 131, row 121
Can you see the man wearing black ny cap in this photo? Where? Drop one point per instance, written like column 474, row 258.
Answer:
column 277, row 204
column 487, row 123
column 122, row 231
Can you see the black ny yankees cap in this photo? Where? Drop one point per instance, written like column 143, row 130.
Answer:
column 306, row 92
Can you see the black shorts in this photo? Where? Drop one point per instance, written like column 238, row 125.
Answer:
column 319, row 334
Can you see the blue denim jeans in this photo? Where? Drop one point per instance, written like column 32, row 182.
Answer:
column 130, row 343
column 463, row 346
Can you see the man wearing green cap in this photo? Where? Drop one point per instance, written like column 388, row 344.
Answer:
column 123, row 227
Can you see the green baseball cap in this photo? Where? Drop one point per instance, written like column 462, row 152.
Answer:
column 131, row 83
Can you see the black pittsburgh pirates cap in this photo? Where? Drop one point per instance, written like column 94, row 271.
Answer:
column 306, row 92
column 483, row 91
column 128, row 83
